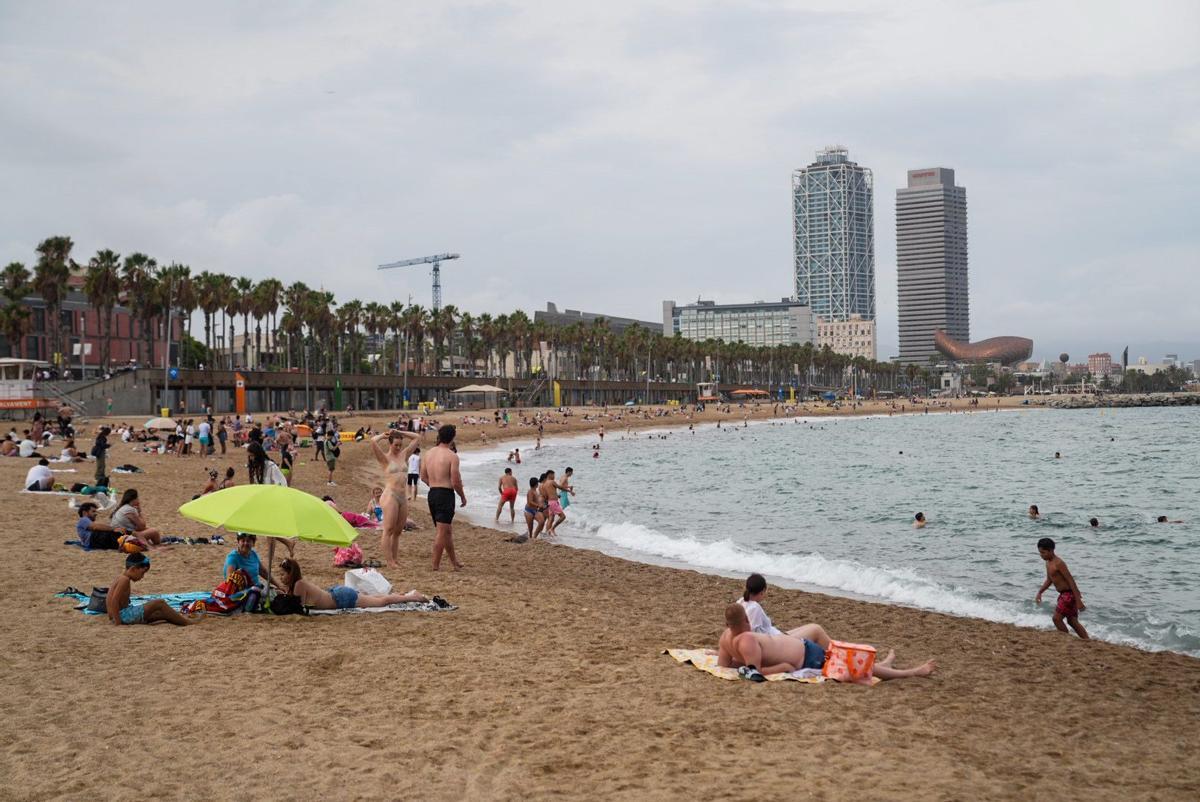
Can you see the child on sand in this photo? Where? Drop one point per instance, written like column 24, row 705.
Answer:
column 1070, row 600
column 120, row 611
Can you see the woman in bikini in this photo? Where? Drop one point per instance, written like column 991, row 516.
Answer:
column 395, row 506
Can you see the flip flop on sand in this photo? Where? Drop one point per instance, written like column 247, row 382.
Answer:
column 751, row 673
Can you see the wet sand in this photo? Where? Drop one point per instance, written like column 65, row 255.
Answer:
column 547, row 682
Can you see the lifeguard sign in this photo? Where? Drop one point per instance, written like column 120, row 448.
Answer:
column 239, row 394
column 18, row 384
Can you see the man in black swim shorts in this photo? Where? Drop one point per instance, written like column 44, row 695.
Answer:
column 440, row 473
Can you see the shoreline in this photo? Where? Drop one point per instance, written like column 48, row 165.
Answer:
column 588, row 541
column 549, row 680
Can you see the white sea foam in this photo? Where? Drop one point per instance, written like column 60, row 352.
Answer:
column 899, row 585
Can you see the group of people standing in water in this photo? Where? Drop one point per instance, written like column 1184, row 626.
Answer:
column 545, row 501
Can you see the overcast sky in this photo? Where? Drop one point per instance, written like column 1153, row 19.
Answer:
column 607, row 156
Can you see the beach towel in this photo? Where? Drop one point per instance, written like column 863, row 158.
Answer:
column 706, row 661
column 176, row 600
column 101, row 500
column 402, row 607
column 359, row 521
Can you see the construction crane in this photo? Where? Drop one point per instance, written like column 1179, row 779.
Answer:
column 436, row 261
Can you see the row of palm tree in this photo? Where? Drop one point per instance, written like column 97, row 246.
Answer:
column 305, row 327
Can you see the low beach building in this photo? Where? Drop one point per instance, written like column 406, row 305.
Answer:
column 853, row 337
column 782, row 322
column 566, row 317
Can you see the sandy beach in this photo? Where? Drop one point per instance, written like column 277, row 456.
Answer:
column 548, row 681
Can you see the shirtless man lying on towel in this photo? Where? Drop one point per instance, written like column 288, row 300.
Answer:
column 803, row 647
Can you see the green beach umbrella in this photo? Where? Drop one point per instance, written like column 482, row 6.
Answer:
column 272, row 511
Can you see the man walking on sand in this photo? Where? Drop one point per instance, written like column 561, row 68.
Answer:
column 439, row 472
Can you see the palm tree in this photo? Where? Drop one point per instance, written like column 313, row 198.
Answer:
column 442, row 323
column 50, row 280
column 270, row 294
column 486, row 326
column 231, row 307
column 519, row 328
column 173, row 282
column 242, row 303
column 209, row 292
column 102, row 284
column 414, row 321
column 15, row 317
column 396, row 324
column 349, row 318
column 294, row 298
column 137, row 281
column 472, row 346
column 186, row 301
column 375, row 321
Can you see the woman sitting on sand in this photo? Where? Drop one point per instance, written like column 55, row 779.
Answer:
column 69, row 453
column 760, row 622
column 752, row 596
column 128, row 515
column 338, row 597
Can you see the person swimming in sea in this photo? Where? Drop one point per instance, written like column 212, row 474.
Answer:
column 1033, row 512
column 919, row 521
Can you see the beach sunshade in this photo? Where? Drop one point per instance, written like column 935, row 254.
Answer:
column 480, row 388
column 272, row 511
column 160, row 423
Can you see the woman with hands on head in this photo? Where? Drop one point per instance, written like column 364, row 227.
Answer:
column 394, row 461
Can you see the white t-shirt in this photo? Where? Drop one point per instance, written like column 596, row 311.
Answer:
column 40, row 474
column 759, row 620
column 25, row 449
column 414, row 463
column 205, row 429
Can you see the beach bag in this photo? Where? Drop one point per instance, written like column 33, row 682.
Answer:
column 849, row 662
column 348, row 557
column 229, row 596
column 272, row 475
column 98, row 602
column 284, row 604
column 131, row 544
column 369, row 581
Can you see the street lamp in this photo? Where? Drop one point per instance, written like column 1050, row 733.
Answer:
column 167, row 339
column 307, row 397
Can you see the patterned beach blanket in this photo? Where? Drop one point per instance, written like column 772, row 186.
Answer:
column 174, row 599
column 403, row 607
column 706, row 661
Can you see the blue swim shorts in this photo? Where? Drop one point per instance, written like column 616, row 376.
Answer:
column 814, row 655
column 133, row 614
column 344, row 596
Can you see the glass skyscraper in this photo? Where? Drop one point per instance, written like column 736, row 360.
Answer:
column 931, row 263
column 834, row 236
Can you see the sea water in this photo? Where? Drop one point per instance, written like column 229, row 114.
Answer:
column 827, row 505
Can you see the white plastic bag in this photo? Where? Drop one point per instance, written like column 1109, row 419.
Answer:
column 369, row 581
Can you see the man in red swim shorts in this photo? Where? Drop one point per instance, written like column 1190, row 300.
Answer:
column 508, row 494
